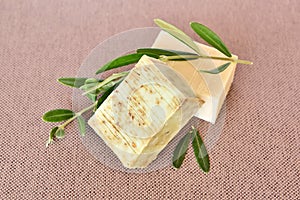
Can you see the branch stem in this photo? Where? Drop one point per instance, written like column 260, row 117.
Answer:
column 246, row 62
column 62, row 126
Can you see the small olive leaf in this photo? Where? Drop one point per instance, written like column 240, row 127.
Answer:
column 113, row 77
column 156, row 53
column 81, row 125
column 88, row 86
column 216, row 70
column 92, row 96
column 57, row 115
column 104, row 96
column 111, row 84
column 120, row 62
column 92, row 80
column 210, row 37
column 200, row 152
column 181, row 149
column 52, row 132
column 178, row 34
column 72, row 82
column 90, row 83
column 51, row 136
column 60, row 133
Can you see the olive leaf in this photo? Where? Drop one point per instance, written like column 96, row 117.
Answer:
column 72, row 82
column 114, row 77
column 81, row 125
column 216, row 70
column 92, row 96
column 57, row 115
column 60, row 133
column 120, row 61
column 51, row 136
column 210, row 37
column 181, row 149
column 92, row 80
column 177, row 33
column 86, row 87
column 200, row 152
column 90, row 83
column 113, row 83
column 89, row 86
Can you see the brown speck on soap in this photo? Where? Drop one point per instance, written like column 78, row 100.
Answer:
column 133, row 144
column 142, row 112
column 157, row 101
column 201, row 101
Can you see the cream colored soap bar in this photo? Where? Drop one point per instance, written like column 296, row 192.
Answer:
column 145, row 112
column 212, row 88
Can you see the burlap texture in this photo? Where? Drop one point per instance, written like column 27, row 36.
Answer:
column 257, row 155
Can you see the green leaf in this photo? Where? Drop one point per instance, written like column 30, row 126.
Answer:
column 104, row 96
column 57, row 115
column 181, row 149
column 114, row 77
column 177, row 33
column 51, row 136
column 89, row 83
column 52, row 132
column 60, row 133
column 88, row 86
column 210, row 37
column 156, row 53
column 110, row 84
column 200, row 152
column 72, row 82
column 216, row 70
column 92, row 80
column 81, row 125
column 92, row 96
column 120, row 61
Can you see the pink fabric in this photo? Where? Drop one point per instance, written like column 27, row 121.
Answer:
column 257, row 155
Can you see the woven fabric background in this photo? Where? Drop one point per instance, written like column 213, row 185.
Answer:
column 257, row 155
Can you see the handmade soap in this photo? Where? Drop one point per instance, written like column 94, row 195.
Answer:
column 212, row 88
column 144, row 113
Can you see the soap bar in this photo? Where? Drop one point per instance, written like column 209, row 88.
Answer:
column 144, row 113
column 212, row 88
